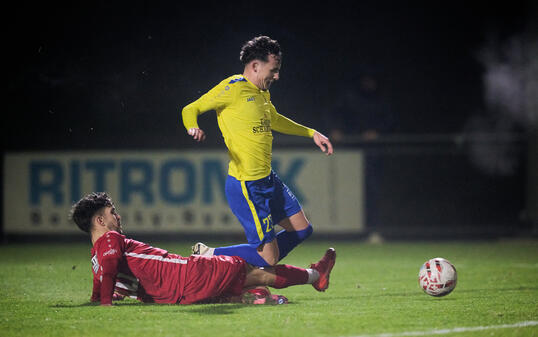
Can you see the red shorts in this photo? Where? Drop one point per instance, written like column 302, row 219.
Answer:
column 209, row 277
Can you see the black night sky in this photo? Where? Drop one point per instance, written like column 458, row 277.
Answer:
column 116, row 74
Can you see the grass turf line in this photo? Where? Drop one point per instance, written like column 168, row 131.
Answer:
column 44, row 290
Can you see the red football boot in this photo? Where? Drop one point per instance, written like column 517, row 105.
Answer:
column 324, row 267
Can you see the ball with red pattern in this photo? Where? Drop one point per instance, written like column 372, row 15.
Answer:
column 437, row 277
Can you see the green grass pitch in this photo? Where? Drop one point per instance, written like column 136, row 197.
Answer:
column 44, row 291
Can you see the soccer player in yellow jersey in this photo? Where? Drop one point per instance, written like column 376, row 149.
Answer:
column 247, row 119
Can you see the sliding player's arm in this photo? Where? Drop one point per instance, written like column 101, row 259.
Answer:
column 110, row 256
column 110, row 270
column 96, row 292
column 285, row 125
column 215, row 99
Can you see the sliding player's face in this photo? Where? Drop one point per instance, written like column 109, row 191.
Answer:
column 269, row 72
column 112, row 219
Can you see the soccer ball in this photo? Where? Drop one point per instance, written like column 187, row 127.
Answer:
column 437, row 277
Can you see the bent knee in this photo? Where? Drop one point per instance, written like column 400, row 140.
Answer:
column 305, row 233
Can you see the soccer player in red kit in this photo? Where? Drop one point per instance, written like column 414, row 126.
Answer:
column 127, row 267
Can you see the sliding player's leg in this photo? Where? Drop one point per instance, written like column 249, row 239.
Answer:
column 283, row 275
column 217, row 278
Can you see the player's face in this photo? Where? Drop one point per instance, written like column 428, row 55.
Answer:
column 112, row 219
column 269, row 72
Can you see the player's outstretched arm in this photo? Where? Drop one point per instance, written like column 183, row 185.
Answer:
column 323, row 143
column 285, row 125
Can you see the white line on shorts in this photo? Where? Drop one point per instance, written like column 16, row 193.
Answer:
column 453, row 330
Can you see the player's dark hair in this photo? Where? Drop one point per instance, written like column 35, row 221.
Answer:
column 83, row 211
column 259, row 48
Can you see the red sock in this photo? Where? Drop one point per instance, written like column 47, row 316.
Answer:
column 287, row 275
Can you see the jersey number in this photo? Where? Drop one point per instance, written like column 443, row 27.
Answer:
column 268, row 222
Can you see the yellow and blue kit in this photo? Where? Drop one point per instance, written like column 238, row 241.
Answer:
column 246, row 118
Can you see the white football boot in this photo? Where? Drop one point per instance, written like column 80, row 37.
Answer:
column 202, row 249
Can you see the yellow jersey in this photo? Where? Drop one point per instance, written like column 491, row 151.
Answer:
column 246, row 118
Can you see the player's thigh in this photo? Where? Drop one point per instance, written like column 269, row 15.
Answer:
column 286, row 209
column 250, row 203
column 212, row 276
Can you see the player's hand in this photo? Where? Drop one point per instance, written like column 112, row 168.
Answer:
column 323, row 143
column 197, row 134
column 117, row 297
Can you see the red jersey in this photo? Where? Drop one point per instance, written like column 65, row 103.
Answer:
column 137, row 270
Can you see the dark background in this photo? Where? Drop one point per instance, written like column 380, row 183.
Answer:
column 100, row 75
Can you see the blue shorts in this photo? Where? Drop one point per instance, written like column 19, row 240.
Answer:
column 259, row 204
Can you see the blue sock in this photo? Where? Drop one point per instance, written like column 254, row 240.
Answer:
column 247, row 251
column 289, row 240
